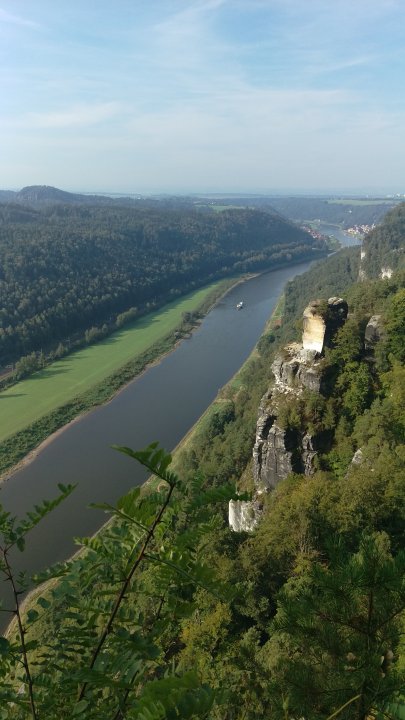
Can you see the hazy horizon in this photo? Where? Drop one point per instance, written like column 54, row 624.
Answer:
column 275, row 192
column 203, row 96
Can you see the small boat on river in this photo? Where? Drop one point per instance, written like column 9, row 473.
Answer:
column 240, row 305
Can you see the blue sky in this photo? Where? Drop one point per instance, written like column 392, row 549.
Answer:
column 203, row 95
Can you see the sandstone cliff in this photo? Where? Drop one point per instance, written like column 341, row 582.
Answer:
column 280, row 449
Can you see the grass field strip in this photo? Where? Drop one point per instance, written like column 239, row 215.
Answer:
column 48, row 389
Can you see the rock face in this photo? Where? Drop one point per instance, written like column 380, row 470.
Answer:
column 244, row 516
column 358, row 457
column 321, row 321
column 373, row 332
column 278, row 450
column 280, row 453
column 314, row 328
column 308, row 454
column 297, row 369
column 362, row 272
column 273, row 455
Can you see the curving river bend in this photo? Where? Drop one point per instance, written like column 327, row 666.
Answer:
column 162, row 404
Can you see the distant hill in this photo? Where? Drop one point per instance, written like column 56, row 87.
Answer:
column 65, row 267
column 46, row 193
column 40, row 196
column 345, row 212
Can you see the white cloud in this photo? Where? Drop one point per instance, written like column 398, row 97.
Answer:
column 75, row 116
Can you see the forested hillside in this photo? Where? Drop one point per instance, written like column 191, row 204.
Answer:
column 345, row 212
column 65, row 268
column 383, row 248
column 170, row 614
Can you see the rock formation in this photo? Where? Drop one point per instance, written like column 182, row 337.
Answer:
column 279, row 450
column 321, row 320
column 244, row 516
column 314, row 327
column 373, row 332
column 296, row 369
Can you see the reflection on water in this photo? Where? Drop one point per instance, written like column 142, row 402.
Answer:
column 346, row 239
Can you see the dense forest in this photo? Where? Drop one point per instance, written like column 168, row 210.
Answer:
column 345, row 213
column 65, row 269
column 170, row 614
column 383, row 248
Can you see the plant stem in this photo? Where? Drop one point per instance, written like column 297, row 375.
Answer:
column 122, row 592
column 17, row 612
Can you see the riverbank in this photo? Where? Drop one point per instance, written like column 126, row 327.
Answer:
column 225, row 394
column 164, row 403
column 21, row 447
column 228, row 392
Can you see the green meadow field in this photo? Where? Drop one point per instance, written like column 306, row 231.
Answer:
column 27, row 401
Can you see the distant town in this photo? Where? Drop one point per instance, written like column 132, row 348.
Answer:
column 358, row 231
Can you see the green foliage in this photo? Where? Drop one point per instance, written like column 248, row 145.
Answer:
column 332, row 277
column 68, row 269
column 28, row 364
column 348, row 343
column 94, row 643
column 384, row 246
column 395, row 326
column 354, row 383
column 336, row 629
column 169, row 614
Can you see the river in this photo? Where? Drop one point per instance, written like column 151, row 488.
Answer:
column 162, row 404
column 345, row 238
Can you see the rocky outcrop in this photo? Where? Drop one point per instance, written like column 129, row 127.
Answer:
column 314, row 327
column 279, row 450
column 308, row 454
column 362, row 272
column 358, row 457
column 373, row 332
column 296, row 369
column 273, row 455
column 244, row 515
column 280, row 453
column 321, row 320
